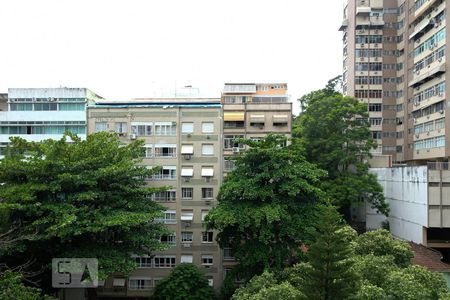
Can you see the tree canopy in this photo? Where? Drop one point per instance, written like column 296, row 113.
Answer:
column 185, row 282
column 334, row 131
column 75, row 198
column 265, row 205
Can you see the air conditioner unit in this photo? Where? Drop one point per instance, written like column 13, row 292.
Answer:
column 376, row 58
column 417, row 136
column 428, row 133
column 429, row 16
column 376, row 45
column 133, row 136
column 235, row 149
column 186, row 245
column 418, row 72
column 362, row 45
column 187, row 156
column 122, row 133
column 174, row 123
column 189, row 135
column 440, row 59
column 208, row 137
column 441, row 111
column 207, row 202
column 187, row 179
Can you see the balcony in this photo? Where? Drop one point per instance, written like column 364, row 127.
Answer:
column 363, row 10
column 421, row 78
column 344, row 25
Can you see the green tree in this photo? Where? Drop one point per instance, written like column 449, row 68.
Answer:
column 266, row 287
column 185, row 282
column 329, row 273
column 368, row 291
column 335, row 133
column 12, row 288
column 380, row 243
column 415, row 282
column 373, row 269
column 265, row 206
column 77, row 199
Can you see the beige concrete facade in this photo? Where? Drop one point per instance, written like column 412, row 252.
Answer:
column 183, row 136
column 395, row 60
column 251, row 111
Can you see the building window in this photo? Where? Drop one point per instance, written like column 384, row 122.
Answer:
column 71, row 106
column 165, row 151
column 45, row 106
column 148, row 150
column 169, row 217
column 186, row 237
column 207, row 149
column 207, row 193
column 207, row 127
column 207, row 237
column 204, row 214
column 187, row 193
column 165, row 196
column 141, row 129
column 165, row 261
column 166, row 173
column 143, row 261
column 207, row 260
column 187, row 127
column 210, row 282
column 187, row 215
column 230, row 141
column 234, row 124
column 186, row 259
column 139, row 283
column 169, row 239
column 21, row 106
column 101, row 126
column 165, row 128
column 228, row 254
column 121, row 127
column 229, row 164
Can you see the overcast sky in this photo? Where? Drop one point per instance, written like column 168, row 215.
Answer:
column 144, row 48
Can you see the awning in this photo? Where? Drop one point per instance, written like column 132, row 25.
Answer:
column 187, row 149
column 280, row 118
column 187, row 172
column 238, row 116
column 421, row 28
column 119, row 282
column 207, row 172
column 187, row 215
column 257, row 118
column 420, row 79
column 363, row 10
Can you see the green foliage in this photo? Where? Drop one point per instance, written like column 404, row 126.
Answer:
column 185, row 282
column 266, row 286
column 12, row 288
column 335, row 134
column 330, row 274
column 265, row 205
column 380, row 242
column 373, row 269
column 78, row 199
column 368, row 291
column 415, row 282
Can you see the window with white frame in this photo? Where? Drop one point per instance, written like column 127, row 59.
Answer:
column 187, row 193
column 229, row 164
column 207, row 149
column 169, row 217
column 187, row 237
column 121, row 127
column 230, row 141
column 101, row 126
column 143, row 261
column 164, row 261
column 207, row 193
column 166, row 173
column 165, row 196
column 141, row 128
column 139, row 283
column 165, row 128
column 208, row 237
column 148, row 150
column 170, row 239
column 207, row 260
column 207, row 127
column 187, row 259
column 187, row 127
column 165, row 150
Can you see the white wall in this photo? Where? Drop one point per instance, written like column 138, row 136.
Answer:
column 43, row 116
column 406, row 190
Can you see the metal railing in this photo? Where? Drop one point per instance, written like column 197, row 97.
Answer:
column 438, row 166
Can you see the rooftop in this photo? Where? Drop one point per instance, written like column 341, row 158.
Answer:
column 428, row 258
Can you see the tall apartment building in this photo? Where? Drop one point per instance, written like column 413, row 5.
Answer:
column 253, row 110
column 395, row 60
column 36, row 114
column 184, row 138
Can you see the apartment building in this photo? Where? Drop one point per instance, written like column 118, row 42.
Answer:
column 251, row 111
column 36, row 114
column 184, row 137
column 395, row 60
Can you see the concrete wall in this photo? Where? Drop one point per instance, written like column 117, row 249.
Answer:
column 406, row 190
